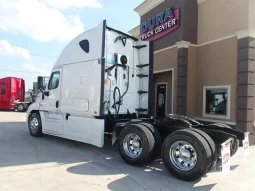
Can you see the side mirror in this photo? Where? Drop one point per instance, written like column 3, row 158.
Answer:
column 40, row 82
column 47, row 93
column 41, row 90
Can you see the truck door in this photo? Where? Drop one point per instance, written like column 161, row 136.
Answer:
column 82, row 87
column 52, row 119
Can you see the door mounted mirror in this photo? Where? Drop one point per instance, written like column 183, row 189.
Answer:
column 47, row 93
column 40, row 82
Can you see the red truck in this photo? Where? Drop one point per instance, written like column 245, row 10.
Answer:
column 12, row 94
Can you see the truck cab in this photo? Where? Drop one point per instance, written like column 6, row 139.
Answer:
column 12, row 92
column 101, row 74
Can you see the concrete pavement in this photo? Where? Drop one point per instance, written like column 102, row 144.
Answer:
column 51, row 163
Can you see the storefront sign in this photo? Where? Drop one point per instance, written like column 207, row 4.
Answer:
column 246, row 145
column 160, row 25
column 225, row 156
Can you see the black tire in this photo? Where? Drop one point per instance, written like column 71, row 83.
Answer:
column 147, row 142
column 203, row 153
column 210, row 143
column 234, row 147
column 158, row 139
column 35, row 132
column 21, row 107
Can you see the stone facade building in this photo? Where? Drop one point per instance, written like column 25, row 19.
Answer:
column 204, row 58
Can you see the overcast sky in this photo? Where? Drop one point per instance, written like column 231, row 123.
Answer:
column 34, row 32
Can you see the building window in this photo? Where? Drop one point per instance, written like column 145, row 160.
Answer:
column 216, row 102
column 54, row 80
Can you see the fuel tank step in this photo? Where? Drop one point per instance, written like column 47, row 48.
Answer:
column 141, row 110
column 142, row 65
column 142, row 75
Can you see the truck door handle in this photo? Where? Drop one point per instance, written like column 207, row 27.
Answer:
column 57, row 103
column 67, row 116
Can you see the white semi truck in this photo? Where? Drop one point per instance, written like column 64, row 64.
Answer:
column 103, row 83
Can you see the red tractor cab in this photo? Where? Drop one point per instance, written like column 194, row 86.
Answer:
column 12, row 92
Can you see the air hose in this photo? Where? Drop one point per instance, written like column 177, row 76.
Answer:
column 127, row 84
column 117, row 110
column 119, row 102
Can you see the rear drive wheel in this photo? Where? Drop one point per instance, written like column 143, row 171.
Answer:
column 210, row 143
column 21, row 107
column 35, row 125
column 186, row 155
column 136, row 145
column 234, row 147
column 158, row 140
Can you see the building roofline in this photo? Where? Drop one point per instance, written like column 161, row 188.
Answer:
column 148, row 5
column 135, row 31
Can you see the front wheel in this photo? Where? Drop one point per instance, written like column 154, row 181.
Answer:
column 186, row 155
column 35, row 125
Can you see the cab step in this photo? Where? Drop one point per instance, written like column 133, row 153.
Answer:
column 142, row 65
column 141, row 110
column 142, row 75
column 142, row 92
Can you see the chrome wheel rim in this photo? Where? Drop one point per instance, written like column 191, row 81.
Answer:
column 183, row 156
column 20, row 107
column 132, row 145
column 33, row 125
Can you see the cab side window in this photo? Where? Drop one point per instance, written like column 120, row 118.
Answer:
column 2, row 91
column 54, row 80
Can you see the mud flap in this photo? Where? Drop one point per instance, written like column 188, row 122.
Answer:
column 246, row 145
column 115, row 133
column 225, row 156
